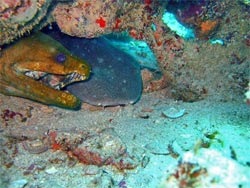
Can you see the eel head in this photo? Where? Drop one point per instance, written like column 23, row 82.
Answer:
column 38, row 67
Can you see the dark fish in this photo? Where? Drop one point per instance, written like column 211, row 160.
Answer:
column 115, row 76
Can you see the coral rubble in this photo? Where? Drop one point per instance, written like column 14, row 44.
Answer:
column 208, row 168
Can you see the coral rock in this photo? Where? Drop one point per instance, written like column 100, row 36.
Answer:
column 20, row 17
column 86, row 18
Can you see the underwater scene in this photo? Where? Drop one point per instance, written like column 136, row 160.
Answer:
column 124, row 94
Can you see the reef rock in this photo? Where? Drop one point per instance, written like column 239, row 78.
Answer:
column 94, row 18
column 20, row 17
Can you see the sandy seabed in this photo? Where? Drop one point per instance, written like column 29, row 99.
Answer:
column 154, row 142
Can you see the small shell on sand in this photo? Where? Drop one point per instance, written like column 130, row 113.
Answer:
column 173, row 113
column 36, row 146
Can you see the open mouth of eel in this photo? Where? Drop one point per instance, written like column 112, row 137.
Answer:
column 55, row 81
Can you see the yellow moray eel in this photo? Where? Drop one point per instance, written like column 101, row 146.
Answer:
column 39, row 53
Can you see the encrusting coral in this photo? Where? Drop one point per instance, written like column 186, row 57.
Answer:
column 20, row 17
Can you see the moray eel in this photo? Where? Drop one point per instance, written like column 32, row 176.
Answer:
column 115, row 76
column 40, row 55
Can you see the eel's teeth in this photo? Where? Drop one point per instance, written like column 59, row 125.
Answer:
column 48, row 78
column 69, row 77
column 35, row 74
column 68, row 80
column 57, row 87
column 77, row 77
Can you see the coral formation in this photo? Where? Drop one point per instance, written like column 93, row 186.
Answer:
column 20, row 17
column 92, row 147
column 85, row 18
column 207, row 168
column 97, row 148
column 94, row 18
column 206, row 28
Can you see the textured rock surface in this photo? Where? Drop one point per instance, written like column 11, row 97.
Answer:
column 20, row 17
column 94, row 18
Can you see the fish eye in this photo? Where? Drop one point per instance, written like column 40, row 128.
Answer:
column 84, row 66
column 60, row 58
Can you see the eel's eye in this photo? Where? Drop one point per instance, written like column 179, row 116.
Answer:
column 60, row 58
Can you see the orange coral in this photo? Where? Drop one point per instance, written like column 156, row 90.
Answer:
column 207, row 27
